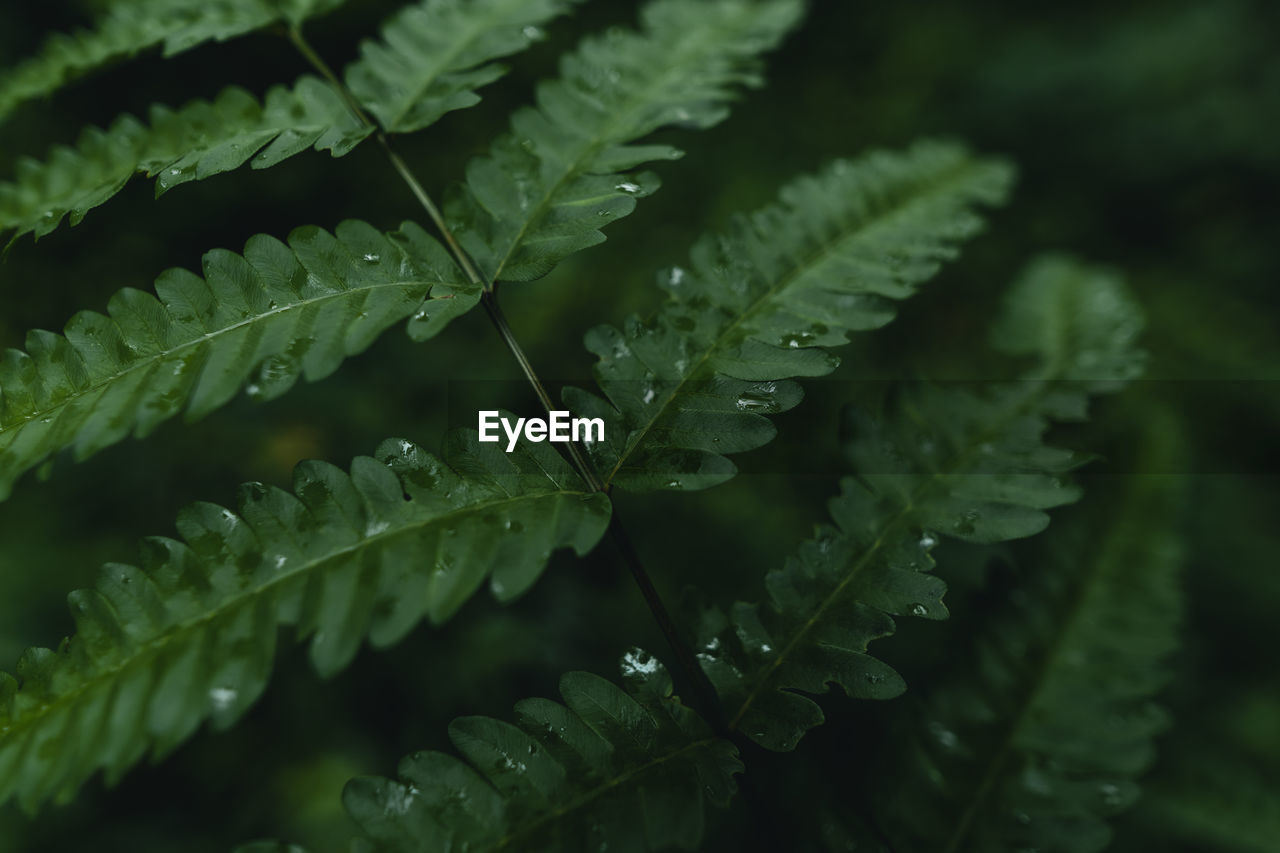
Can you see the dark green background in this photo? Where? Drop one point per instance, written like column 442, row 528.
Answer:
column 1146, row 136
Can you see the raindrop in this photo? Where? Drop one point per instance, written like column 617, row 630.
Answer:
column 532, row 33
column 638, row 663
column 648, row 395
column 758, row 398
column 927, row 540
column 945, row 737
column 223, row 698
column 628, row 187
column 919, row 610
column 370, row 258
column 675, row 276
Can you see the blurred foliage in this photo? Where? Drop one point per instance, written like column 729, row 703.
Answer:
column 1145, row 135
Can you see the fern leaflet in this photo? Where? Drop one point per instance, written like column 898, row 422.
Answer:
column 609, row 771
column 408, row 80
column 762, row 302
column 127, row 28
column 191, row 635
column 946, row 461
column 1054, row 719
column 276, row 313
column 546, row 189
column 435, row 54
column 198, row 141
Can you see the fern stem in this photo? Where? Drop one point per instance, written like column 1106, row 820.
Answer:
column 700, row 687
column 397, row 162
column 699, row 684
column 579, row 458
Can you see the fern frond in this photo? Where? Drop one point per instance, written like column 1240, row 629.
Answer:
column 276, row 313
column 604, row 771
column 546, row 189
column 946, row 461
column 431, row 59
column 1216, row 800
column 433, row 56
column 127, row 28
column 1041, row 737
column 191, row 634
column 762, row 303
column 198, row 141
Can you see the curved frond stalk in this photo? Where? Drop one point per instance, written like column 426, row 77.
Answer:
column 971, row 465
column 432, row 56
column 265, row 318
column 195, row 142
column 191, row 634
column 1042, row 737
column 546, row 189
column 125, row 29
column 608, row 769
column 763, row 302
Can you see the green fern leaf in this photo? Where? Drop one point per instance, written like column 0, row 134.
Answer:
column 761, row 304
column 430, row 61
column 198, row 141
column 946, row 461
column 435, row 54
column 546, row 189
column 1054, row 718
column 127, row 28
column 1215, row 799
column 276, row 313
column 609, row 771
column 191, row 635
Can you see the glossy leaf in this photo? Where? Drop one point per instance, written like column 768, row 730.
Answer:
column 564, row 171
column 127, row 28
column 190, row 634
column 763, row 303
column 433, row 55
column 258, row 321
column 956, row 462
column 607, row 770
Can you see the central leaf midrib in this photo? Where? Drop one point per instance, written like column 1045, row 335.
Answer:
column 811, row 260
column 154, row 647
column 165, row 355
